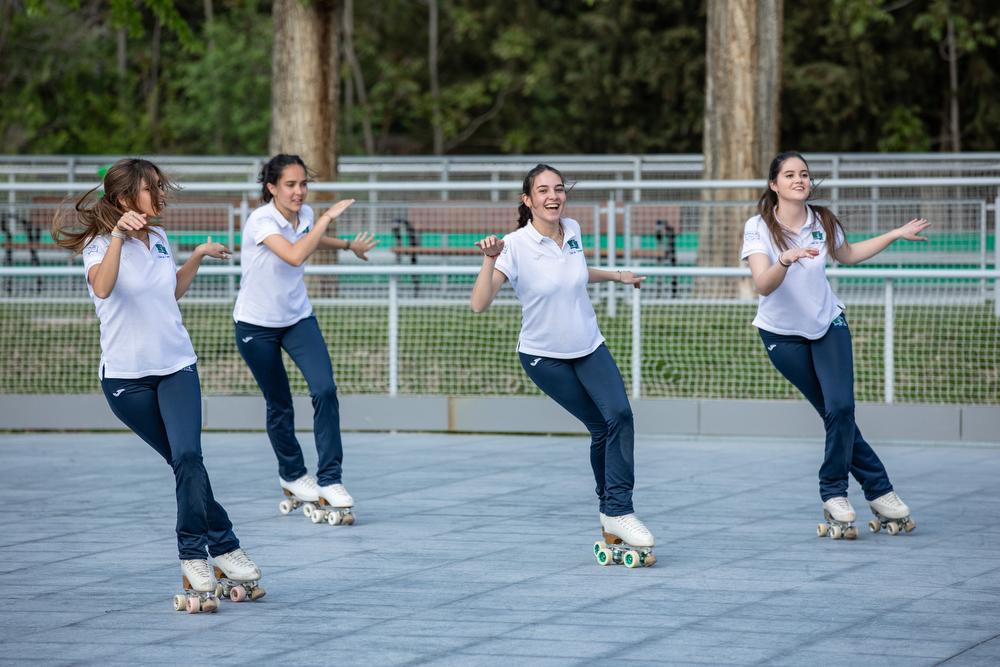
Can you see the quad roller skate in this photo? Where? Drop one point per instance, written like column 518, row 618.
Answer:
column 626, row 542
column 891, row 514
column 839, row 520
column 199, row 593
column 335, row 506
column 238, row 577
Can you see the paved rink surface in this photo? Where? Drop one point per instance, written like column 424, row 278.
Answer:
column 476, row 550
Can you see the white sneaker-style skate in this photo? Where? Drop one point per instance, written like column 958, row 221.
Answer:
column 626, row 541
column 199, row 589
column 238, row 576
column 839, row 519
column 335, row 505
column 302, row 492
column 890, row 513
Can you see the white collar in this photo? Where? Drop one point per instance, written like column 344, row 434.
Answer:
column 538, row 237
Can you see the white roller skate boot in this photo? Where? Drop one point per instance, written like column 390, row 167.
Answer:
column 335, row 505
column 626, row 541
column 890, row 513
column 199, row 589
column 839, row 519
column 304, row 491
column 238, row 576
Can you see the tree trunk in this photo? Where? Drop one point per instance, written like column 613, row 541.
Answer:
column 153, row 86
column 956, row 133
column 357, row 76
column 742, row 95
column 432, row 65
column 305, row 89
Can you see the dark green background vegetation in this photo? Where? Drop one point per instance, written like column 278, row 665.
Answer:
column 538, row 76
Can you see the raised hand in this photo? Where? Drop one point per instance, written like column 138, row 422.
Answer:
column 362, row 243
column 793, row 255
column 131, row 221
column 334, row 211
column 911, row 230
column 490, row 246
column 216, row 250
column 630, row 278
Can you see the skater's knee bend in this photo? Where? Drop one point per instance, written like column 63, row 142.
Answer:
column 619, row 417
column 839, row 410
column 186, row 457
column 324, row 392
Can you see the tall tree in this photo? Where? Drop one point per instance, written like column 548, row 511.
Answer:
column 305, row 78
column 742, row 91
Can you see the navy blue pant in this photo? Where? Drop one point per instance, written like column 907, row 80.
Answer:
column 261, row 349
column 165, row 411
column 592, row 390
column 823, row 370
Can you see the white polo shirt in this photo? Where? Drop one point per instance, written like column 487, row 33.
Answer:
column 557, row 317
column 804, row 303
column 272, row 291
column 141, row 329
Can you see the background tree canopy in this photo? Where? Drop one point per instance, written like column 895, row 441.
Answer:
column 539, row 76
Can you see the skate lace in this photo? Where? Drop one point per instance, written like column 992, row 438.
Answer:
column 840, row 503
column 631, row 522
column 199, row 568
column 310, row 481
column 892, row 499
column 240, row 559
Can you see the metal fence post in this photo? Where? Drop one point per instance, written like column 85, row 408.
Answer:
column 889, row 369
column 612, row 253
column 393, row 335
column 636, row 344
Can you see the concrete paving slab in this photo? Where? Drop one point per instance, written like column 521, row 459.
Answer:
column 476, row 550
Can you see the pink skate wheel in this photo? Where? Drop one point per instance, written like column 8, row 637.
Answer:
column 193, row 606
column 237, row 594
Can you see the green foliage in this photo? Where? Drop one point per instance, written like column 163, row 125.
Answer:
column 555, row 76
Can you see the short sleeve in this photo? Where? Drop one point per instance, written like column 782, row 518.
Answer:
column 753, row 238
column 506, row 264
column 95, row 251
column 258, row 229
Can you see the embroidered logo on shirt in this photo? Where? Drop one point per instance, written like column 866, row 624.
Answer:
column 573, row 244
column 162, row 250
column 818, row 236
column 751, row 236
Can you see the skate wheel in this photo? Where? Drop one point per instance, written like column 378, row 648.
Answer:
column 603, row 555
column 180, row 602
column 210, row 605
column 285, row 507
column 237, row 594
column 316, row 516
column 307, row 509
column 193, row 605
column 874, row 525
column 892, row 528
column 630, row 559
column 822, row 529
column 836, row 532
column 851, row 533
column 333, row 518
column 910, row 525
column 257, row 593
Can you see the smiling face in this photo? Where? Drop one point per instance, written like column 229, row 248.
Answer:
column 150, row 199
column 792, row 183
column 289, row 192
column 547, row 197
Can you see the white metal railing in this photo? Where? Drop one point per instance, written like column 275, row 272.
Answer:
column 393, row 301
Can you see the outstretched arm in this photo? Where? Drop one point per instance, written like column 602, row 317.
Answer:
column 616, row 276
column 855, row 253
column 187, row 272
column 297, row 253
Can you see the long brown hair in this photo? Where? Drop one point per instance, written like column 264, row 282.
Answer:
column 91, row 217
column 768, row 204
